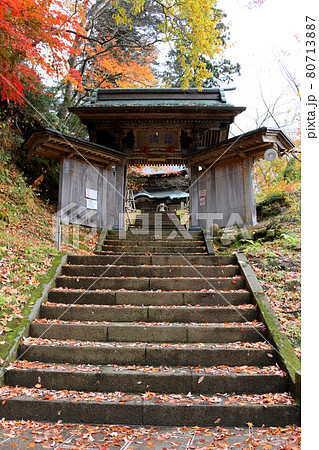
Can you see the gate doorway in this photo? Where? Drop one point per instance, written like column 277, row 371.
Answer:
column 152, row 189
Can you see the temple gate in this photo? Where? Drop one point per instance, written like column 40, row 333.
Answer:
column 158, row 127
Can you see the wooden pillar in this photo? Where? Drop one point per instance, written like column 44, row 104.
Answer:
column 193, row 198
column 120, row 188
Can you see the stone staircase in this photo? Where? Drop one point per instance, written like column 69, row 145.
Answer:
column 155, row 233
column 162, row 338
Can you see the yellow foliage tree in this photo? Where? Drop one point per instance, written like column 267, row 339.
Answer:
column 193, row 26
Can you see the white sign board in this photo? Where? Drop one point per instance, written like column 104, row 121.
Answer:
column 91, row 204
column 91, row 193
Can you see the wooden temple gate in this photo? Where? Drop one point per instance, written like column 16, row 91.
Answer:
column 158, row 127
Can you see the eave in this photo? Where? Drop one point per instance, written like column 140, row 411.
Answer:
column 196, row 113
column 251, row 144
column 55, row 145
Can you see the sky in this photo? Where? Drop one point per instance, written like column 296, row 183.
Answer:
column 263, row 38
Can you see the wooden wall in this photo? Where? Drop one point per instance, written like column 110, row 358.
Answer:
column 225, row 190
column 75, row 178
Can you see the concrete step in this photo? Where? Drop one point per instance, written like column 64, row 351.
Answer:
column 101, row 297
column 151, row 260
column 150, row 284
column 147, row 354
column 150, row 271
column 137, row 379
column 149, row 331
column 147, row 409
column 128, row 313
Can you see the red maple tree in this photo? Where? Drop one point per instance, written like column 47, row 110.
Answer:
column 33, row 41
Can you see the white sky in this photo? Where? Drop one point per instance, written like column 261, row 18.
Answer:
column 262, row 37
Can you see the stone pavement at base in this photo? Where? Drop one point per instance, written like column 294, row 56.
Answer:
column 26, row 435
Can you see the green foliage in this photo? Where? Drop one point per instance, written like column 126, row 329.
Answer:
column 291, row 240
column 280, row 177
column 272, row 205
column 278, row 188
column 249, row 246
column 221, row 72
column 292, row 171
column 277, row 197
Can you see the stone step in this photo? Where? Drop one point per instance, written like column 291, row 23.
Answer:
column 171, row 218
column 147, row 409
column 124, row 313
column 119, row 249
column 150, row 271
column 137, row 379
column 158, row 216
column 138, row 231
column 156, row 222
column 153, row 244
column 149, row 339
column 147, row 354
column 165, row 237
column 150, row 284
column 152, row 224
column 148, row 331
column 101, row 297
column 151, row 260
column 156, row 226
column 119, row 253
column 162, row 214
